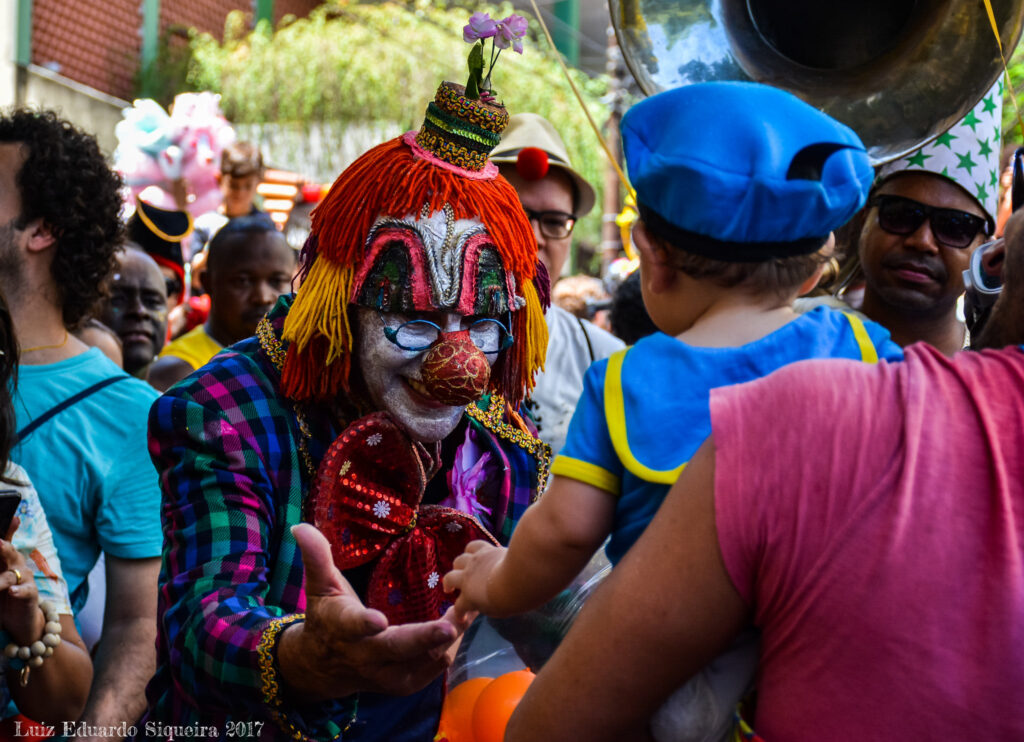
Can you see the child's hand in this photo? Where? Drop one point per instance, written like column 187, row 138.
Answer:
column 471, row 573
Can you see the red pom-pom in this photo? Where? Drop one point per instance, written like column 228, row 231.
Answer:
column 532, row 163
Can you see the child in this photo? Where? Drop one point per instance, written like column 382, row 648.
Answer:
column 241, row 170
column 739, row 187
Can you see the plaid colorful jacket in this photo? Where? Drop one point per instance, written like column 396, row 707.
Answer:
column 229, row 451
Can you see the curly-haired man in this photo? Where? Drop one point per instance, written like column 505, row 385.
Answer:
column 81, row 419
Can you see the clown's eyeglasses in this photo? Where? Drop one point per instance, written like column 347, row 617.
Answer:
column 490, row 336
column 950, row 227
column 555, row 225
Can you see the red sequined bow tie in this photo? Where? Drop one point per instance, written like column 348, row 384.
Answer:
column 366, row 501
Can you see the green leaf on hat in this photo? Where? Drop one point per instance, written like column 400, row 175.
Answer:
column 476, row 71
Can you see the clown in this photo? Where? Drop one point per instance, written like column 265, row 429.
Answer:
column 380, row 404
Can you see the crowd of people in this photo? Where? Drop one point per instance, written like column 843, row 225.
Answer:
column 266, row 492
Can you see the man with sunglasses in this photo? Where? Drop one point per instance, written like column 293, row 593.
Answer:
column 249, row 265
column 883, row 570
column 926, row 215
column 533, row 158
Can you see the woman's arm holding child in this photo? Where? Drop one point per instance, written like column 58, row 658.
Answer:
column 554, row 541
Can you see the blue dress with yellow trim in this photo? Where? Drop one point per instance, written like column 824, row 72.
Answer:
column 645, row 410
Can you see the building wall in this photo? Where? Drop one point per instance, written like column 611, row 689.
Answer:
column 8, row 53
column 86, row 108
column 93, row 43
column 209, row 15
column 299, row 8
column 205, row 15
column 98, row 43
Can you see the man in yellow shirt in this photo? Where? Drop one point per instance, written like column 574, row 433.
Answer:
column 249, row 266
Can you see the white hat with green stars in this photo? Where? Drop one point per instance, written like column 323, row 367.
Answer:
column 967, row 154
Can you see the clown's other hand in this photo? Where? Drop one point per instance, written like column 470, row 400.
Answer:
column 344, row 647
column 472, row 574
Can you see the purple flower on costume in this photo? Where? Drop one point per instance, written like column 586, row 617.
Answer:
column 510, row 31
column 466, row 476
column 480, row 26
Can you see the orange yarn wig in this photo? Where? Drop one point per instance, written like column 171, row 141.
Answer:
column 391, row 180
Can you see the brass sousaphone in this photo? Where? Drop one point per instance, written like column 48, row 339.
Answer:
column 898, row 72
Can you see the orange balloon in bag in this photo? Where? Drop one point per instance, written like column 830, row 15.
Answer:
column 496, row 703
column 457, row 711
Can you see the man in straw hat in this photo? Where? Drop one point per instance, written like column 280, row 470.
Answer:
column 533, row 158
column 380, row 403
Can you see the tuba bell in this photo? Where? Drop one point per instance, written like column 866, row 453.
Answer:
column 898, row 72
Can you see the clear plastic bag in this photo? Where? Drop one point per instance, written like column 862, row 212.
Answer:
column 494, row 646
column 699, row 711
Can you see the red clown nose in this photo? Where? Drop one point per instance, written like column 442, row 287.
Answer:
column 455, row 371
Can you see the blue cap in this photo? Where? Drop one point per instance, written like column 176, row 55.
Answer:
column 740, row 162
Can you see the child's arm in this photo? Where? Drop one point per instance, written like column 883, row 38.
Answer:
column 554, row 540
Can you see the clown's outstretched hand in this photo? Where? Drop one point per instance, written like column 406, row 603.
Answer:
column 344, row 647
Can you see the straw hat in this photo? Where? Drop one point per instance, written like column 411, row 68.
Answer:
column 532, row 131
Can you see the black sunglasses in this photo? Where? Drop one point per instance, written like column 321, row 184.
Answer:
column 950, row 227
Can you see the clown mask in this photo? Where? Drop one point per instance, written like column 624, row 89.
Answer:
column 433, row 317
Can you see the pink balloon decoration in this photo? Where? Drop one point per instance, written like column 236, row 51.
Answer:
column 155, row 149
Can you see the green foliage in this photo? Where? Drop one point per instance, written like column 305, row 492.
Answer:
column 168, row 75
column 1011, row 126
column 363, row 62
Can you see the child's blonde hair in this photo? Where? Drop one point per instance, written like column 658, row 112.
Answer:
column 777, row 277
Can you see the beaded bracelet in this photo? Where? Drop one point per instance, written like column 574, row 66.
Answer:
column 33, row 655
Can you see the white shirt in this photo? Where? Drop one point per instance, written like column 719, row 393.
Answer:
column 573, row 344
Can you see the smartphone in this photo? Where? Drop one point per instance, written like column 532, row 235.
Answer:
column 9, row 502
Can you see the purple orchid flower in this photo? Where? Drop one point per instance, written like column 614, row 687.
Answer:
column 480, row 26
column 510, row 32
